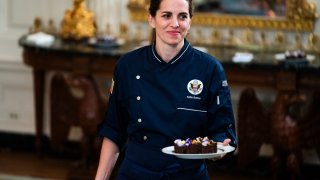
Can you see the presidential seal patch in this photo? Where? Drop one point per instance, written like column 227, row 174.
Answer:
column 195, row 86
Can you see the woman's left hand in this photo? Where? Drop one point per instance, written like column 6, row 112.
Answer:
column 225, row 143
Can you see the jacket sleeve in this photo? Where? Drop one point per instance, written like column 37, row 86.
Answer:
column 221, row 120
column 114, row 125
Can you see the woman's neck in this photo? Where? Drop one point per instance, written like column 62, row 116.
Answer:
column 168, row 52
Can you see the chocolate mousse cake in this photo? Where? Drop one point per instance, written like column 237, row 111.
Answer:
column 180, row 146
column 195, row 146
column 209, row 147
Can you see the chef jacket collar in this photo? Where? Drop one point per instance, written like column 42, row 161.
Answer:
column 176, row 58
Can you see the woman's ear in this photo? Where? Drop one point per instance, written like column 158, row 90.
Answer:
column 151, row 21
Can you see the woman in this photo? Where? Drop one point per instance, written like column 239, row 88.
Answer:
column 162, row 92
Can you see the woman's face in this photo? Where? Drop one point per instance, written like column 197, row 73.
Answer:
column 171, row 22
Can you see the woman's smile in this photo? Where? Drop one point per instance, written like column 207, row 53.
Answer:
column 173, row 33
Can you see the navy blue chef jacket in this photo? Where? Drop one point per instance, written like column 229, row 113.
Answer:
column 152, row 103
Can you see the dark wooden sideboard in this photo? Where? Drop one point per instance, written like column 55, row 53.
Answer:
column 75, row 58
column 79, row 58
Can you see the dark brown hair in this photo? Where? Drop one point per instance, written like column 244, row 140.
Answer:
column 155, row 5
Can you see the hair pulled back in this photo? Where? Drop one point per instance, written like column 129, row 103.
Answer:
column 155, row 5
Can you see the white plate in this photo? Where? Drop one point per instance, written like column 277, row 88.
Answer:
column 220, row 151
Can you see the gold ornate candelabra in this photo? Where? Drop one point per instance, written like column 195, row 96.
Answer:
column 78, row 23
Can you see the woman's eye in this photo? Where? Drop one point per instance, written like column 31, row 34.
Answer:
column 166, row 16
column 183, row 16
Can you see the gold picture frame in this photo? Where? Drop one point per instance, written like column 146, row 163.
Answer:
column 300, row 16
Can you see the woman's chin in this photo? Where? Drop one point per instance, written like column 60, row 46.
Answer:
column 174, row 42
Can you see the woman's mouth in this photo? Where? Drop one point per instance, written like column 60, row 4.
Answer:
column 173, row 33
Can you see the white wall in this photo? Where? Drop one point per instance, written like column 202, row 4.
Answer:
column 16, row 84
column 16, row 98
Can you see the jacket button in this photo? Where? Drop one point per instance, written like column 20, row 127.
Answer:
column 139, row 120
column 137, row 77
column 138, row 98
column 145, row 138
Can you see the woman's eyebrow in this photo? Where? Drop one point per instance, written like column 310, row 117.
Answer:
column 184, row 13
column 166, row 12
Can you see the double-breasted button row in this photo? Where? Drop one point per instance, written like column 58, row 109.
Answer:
column 138, row 99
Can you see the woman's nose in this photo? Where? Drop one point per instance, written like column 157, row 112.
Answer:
column 175, row 22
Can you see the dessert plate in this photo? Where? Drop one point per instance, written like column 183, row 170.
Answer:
column 221, row 150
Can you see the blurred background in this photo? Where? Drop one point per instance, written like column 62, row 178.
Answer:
column 56, row 53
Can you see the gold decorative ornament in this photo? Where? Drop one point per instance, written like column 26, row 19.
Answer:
column 263, row 41
column 313, row 41
column 215, row 37
column 300, row 16
column 51, row 28
column 124, row 31
column 297, row 42
column 232, row 39
column 247, row 37
column 138, row 4
column 37, row 25
column 78, row 23
column 279, row 41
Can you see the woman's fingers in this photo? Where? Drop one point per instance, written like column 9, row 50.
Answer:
column 226, row 142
